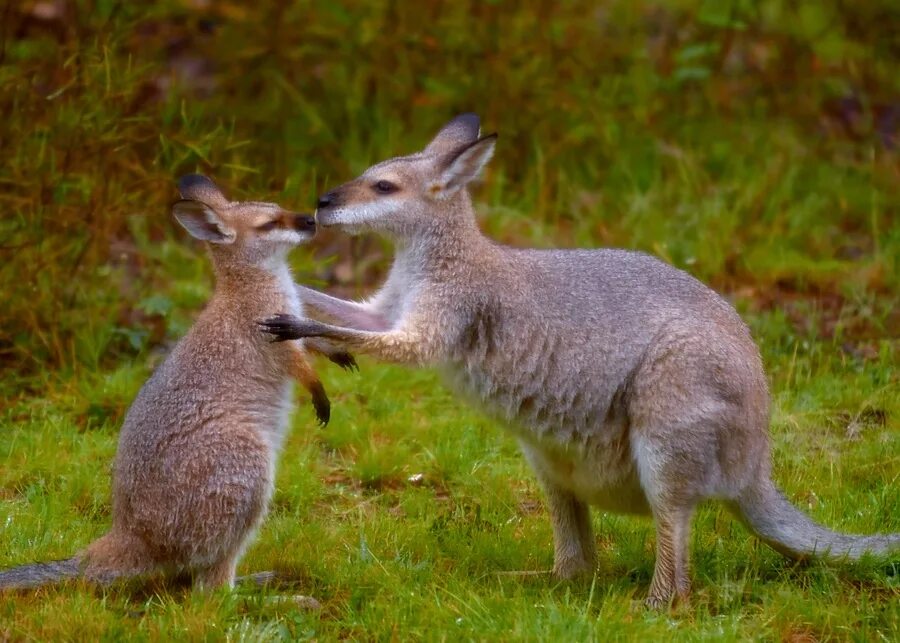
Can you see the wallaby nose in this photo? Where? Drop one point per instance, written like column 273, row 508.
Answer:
column 306, row 223
column 325, row 200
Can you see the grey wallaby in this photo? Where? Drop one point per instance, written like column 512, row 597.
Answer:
column 630, row 385
column 196, row 459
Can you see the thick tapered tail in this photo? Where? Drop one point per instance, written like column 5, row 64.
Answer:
column 39, row 574
column 788, row 530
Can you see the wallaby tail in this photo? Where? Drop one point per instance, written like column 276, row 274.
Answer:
column 788, row 530
column 38, row 574
column 114, row 556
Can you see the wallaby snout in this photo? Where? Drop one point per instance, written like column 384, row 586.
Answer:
column 327, row 199
column 328, row 207
column 305, row 223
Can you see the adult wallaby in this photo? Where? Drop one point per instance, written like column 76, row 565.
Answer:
column 629, row 384
column 196, row 460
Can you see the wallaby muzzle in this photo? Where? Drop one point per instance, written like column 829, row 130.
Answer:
column 328, row 199
column 305, row 223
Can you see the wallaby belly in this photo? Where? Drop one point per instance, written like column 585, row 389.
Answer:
column 571, row 424
column 605, row 478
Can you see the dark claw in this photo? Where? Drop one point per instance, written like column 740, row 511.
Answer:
column 344, row 360
column 283, row 327
column 321, row 403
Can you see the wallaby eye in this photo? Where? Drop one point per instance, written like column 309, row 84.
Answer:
column 385, row 187
column 268, row 225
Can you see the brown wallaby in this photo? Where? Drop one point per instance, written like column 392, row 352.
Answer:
column 630, row 385
column 196, row 458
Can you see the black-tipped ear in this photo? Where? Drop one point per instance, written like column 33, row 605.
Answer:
column 465, row 165
column 197, row 187
column 462, row 130
column 202, row 222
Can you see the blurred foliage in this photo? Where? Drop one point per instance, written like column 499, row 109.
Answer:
column 753, row 143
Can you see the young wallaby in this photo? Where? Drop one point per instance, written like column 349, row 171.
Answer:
column 630, row 385
column 196, row 458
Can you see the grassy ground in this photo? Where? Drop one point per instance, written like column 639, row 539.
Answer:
column 391, row 558
column 752, row 146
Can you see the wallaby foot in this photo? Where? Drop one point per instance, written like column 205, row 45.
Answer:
column 218, row 575
column 260, row 579
column 671, row 579
column 571, row 568
column 116, row 555
column 574, row 551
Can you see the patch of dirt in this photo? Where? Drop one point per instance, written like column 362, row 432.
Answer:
column 819, row 313
column 798, row 634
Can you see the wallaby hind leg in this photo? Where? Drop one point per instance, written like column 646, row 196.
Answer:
column 574, row 551
column 117, row 555
column 671, row 574
column 669, row 477
column 220, row 574
column 573, row 539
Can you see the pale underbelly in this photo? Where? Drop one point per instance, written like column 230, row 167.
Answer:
column 603, row 477
column 581, row 448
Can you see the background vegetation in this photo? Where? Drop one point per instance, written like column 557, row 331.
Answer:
column 754, row 144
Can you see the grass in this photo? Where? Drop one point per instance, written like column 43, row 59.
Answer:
column 751, row 146
column 393, row 558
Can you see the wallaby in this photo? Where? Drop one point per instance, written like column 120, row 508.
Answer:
column 629, row 384
column 196, row 459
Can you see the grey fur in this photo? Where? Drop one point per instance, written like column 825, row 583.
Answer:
column 630, row 385
column 37, row 574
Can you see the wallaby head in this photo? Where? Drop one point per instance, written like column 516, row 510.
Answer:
column 239, row 233
column 411, row 193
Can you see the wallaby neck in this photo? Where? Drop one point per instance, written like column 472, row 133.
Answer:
column 250, row 279
column 449, row 242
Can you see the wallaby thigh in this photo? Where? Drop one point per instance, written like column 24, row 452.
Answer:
column 698, row 411
column 202, row 505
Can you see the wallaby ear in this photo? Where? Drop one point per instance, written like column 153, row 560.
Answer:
column 464, row 166
column 202, row 222
column 197, row 187
column 461, row 131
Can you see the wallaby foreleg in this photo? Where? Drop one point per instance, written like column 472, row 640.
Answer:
column 347, row 313
column 399, row 346
column 303, row 372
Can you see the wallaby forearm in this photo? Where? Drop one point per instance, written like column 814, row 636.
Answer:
column 401, row 346
column 346, row 313
column 302, row 371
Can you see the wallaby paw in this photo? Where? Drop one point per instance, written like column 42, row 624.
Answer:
column 344, row 360
column 282, row 326
column 571, row 568
column 321, row 403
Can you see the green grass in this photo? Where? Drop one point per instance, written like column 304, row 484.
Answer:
column 391, row 558
column 744, row 144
